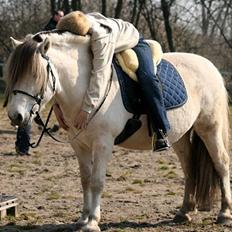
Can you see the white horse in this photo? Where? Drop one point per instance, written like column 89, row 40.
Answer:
column 200, row 127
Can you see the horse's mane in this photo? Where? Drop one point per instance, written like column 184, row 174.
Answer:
column 26, row 59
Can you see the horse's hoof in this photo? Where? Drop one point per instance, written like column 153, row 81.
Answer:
column 82, row 222
column 182, row 218
column 224, row 220
column 92, row 227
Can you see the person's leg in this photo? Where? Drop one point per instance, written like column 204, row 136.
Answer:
column 152, row 94
column 22, row 144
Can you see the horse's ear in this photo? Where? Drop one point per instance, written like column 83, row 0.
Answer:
column 44, row 46
column 15, row 43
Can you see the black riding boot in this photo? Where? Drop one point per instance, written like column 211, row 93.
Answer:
column 160, row 141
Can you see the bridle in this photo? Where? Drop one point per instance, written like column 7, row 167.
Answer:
column 38, row 100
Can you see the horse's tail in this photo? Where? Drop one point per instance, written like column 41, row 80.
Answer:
column 207, row 181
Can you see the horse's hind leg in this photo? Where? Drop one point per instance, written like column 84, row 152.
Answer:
column 215, row 140
column 183, row 150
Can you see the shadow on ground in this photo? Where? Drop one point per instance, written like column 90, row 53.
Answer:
column 41, row 228
column 72, row 227
column 135, row 225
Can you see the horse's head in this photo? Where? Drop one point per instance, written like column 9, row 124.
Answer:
column 28, row 72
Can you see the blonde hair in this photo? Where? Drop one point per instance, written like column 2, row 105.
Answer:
column 75, row 22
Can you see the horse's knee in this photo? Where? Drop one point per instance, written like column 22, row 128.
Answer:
column 97, row 184
column 85, row 181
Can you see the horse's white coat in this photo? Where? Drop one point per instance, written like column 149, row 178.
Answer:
column 205, row 112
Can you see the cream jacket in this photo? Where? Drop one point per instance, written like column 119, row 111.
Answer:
column 108, row 36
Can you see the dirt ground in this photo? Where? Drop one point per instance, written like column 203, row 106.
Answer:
column 143, row 189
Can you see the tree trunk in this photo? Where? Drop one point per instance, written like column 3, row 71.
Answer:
column 66, row 6
column 58, row 7
column 76, row 5
column 104, row 7
column 53, row 6
column 118, row 9
column 165, row 6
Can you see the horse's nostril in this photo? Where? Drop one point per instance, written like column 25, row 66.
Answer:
column 19, row 118
column 16, row 118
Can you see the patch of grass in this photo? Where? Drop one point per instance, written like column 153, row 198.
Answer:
column 163, row 167
column 131, row 189
column 53, row 196
column 161, row 161
column 15, row 168
column 170, row 193
column 206, row 221
column 106, row 195
column 69, row 197
column 37, row 162
column 121, row 178
column 124, row 176
column 138, row 181
column 171, row 175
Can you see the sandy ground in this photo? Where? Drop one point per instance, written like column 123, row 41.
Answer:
column 143, row 189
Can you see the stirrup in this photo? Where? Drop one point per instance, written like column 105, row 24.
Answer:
column 161, row 144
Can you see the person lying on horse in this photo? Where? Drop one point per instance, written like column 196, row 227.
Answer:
column 109, row 36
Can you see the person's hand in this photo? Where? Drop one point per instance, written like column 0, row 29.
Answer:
column 60, row 117
column 81, row 120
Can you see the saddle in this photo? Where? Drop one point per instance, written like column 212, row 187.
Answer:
column 174, row 92
column 129, row 63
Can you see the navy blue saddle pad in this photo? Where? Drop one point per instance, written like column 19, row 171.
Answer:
column 174, row 91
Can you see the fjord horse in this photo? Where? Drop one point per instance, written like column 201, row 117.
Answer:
column 58, row 66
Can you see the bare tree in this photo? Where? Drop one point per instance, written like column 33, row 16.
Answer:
column 149, row 11
column 66, row 6
column 53, row 6
column 76, row 5
column 218, row 21
column 118, row 9
column 195, row 25
column 166, row 6
column 103, row 11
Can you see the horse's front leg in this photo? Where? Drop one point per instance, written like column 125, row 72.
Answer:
column 85, row 164
column 102, row 152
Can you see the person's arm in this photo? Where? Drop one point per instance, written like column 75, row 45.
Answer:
column 103, row 51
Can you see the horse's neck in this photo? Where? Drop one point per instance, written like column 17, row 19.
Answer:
column 73, row 65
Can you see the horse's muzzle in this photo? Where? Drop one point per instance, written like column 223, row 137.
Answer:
column 17, row 119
